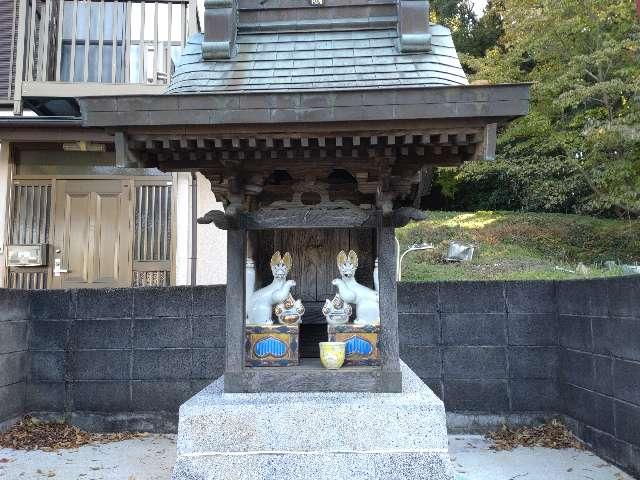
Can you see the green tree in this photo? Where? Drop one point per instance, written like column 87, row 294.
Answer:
column 471, row 35
column 583, row 58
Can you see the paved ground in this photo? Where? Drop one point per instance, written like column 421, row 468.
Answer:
column 151, row 458
column 473, row 460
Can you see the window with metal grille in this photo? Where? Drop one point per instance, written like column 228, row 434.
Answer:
column 152, row 240
column 30, row 224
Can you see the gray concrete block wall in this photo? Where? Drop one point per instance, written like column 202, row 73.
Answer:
column 599, row 322
column 483, row 347
column 14, row 314
column 127, row 358
column 123, row 358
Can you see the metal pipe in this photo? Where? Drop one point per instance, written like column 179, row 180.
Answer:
column 194, row 227
column 412, row 248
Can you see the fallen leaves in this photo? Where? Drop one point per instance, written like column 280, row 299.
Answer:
column 34, row 434
column 552, row 434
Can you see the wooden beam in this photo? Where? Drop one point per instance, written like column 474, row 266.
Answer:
column 271, row 219
column 309, row 376
column 309, row 218
column 38, row 134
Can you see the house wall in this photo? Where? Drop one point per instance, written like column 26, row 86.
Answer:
column 212, row 242
column 182, row 192
column 211, row 252
column 493, row 351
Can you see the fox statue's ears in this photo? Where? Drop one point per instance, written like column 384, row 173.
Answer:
column 287, row 260
column 342, row 258
column 353, row 258
column 277, row 259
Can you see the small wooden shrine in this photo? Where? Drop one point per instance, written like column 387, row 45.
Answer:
column 319, row 125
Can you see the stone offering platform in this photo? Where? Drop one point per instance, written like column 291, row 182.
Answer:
column 315, row 436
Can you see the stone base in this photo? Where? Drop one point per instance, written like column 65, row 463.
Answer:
column 315, row 436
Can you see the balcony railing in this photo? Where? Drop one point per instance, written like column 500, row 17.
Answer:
column 94, row 47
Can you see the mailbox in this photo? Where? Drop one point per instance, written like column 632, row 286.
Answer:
column 27, row 255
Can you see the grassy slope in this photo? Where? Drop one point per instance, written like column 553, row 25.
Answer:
column 513, row 245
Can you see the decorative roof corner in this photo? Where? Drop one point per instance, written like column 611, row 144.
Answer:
column 220, row 26
column 413, row 26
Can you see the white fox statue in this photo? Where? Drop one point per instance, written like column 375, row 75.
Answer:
column 260, row 303
column 365, row 299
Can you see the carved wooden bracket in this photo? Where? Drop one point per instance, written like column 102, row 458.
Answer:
column 220, row 28
column 219, row 219
column 402, row 216
column 413, row 26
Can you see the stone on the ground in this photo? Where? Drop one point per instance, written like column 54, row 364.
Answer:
column 315, row 436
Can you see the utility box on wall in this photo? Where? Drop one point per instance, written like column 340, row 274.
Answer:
column 27, row 255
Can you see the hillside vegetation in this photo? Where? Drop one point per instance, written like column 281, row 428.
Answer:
column 578, row 149
column 514, row 245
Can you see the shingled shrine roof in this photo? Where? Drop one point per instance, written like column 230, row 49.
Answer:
column 319, row 60
column 297, row 84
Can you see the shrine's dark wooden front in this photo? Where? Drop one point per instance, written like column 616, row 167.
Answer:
column 314, row 267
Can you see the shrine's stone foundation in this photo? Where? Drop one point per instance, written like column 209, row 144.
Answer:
column 314, row 435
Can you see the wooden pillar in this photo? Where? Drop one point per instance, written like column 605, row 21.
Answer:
column 235, row 307
column 388, row 295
